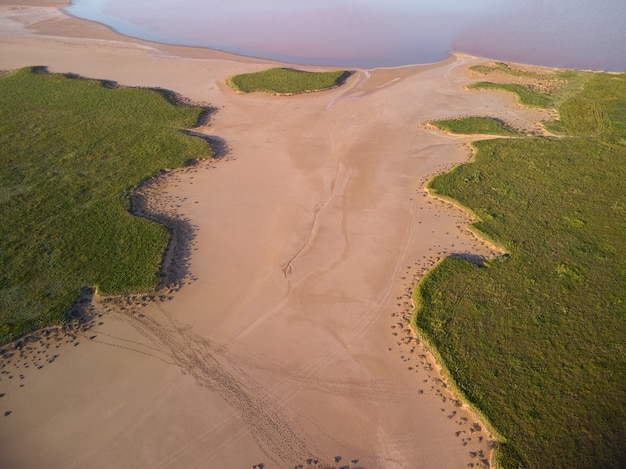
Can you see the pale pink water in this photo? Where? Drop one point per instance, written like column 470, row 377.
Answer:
column 376, row 33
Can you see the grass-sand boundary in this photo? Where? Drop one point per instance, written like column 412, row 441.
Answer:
column 515, row 450
column 55, row 249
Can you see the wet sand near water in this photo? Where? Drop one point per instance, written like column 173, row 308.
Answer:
column 289, row 343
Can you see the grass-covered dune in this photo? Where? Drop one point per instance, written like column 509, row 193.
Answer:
column 536, row 340
column 70, row 150
column 287, row 81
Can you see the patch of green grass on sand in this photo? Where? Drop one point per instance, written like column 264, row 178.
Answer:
column 70, row 150
column 287, row 81
column 524, row 94
column 536, row 340
column 477, row 125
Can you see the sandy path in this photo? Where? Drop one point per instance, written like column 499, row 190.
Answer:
column 290, row 343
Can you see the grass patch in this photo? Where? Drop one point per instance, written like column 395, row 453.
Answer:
column 287, row 81
column 70, row 150
column 514, row 72
column 535, row 340
column 539, row 89
column 476, row 125
column 525, row 95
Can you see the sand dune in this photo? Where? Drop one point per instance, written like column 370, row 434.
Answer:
column 289, row 342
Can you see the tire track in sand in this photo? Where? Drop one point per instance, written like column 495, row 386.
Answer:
column 228, row 374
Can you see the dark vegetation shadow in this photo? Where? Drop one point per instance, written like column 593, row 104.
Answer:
column 476, row 259
column 343, row 78
column 79, row 309
column 218, row 144
column 110, row 84
column 175, row 263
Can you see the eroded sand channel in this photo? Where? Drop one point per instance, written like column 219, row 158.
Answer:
column 289, row 345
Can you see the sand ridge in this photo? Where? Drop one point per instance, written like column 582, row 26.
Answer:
column 289, row 344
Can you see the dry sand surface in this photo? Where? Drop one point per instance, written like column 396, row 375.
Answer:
column 288, row 344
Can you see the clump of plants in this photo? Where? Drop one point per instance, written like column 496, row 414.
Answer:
column 287, row 81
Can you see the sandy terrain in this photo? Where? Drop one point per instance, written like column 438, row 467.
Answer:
column 289, row 342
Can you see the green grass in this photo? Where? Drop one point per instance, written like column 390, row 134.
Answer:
column 476, row 125
column 509, row 70
column 287, row 81
column 70, row 149
column 536, row 339
column 551, row 88
column 524, row 94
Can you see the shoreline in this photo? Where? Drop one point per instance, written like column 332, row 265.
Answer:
column 508, row 54
column 320, row 349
